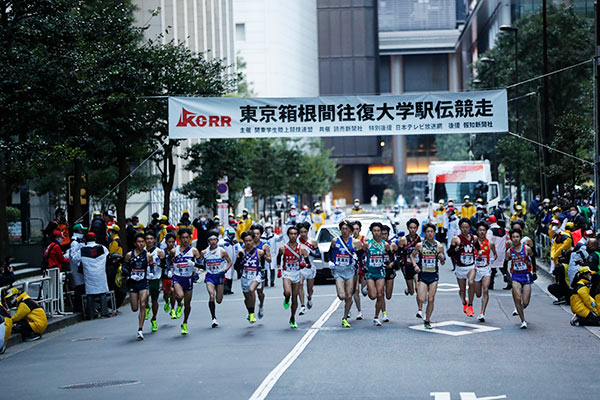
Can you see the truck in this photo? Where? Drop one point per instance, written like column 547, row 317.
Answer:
column 452, row 180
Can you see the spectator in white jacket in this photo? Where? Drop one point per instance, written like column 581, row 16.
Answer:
column 93, row 260
column 76, row 268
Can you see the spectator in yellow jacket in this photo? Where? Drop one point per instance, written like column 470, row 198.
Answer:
column 30, row 319
column 114, row 242
column 244, row 223
column 563, row 241
column 518, row 214
column 584, row 306
column 468, row 209
column 318, row 216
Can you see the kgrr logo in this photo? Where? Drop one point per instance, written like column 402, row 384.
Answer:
column 188, row 119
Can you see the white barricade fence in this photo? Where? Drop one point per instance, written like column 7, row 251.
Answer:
column 49, row 290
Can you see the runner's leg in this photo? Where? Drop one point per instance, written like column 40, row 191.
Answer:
column 432, row 289
column 380, row 291
column 517, row 292
column 210, row 288
column 485, row 283
column 187, row 304
column 143, row 300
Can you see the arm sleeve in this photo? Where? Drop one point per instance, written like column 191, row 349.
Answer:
column 22, row 311
column 59, row 255
column 582, row 292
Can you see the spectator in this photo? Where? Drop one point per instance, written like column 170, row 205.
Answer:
column 114, row 262
column 93, row 260
column 53, row 255
column 203, row 225
column 468, row 209
column 58, row 223
column 593, row 259
column 561, row 287
column 109, row 218
column 98, row 227
column 76, row 268
column 577, row 219
column 563, row 241
column 5, row 328
column 534, row 206
column 544, row 217
column 480, row 215
column 499, row 211
column 584, row 300
column 30, row 319
column 580, row 254
column 7, row 274
column 518, row 214
column 185, row 221
column 154, row 224
column 135, row 221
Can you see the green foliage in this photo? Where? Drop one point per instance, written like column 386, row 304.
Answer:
column 13, row 214
column 452, row 147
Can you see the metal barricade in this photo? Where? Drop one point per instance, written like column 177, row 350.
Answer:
column 48, row 290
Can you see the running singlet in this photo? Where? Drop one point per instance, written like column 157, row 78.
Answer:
column 251, row 264
column 482, row 259
column 312, row 250
column 167, row 273
column 519, row 261
column 341, row 256
column 406, row 251
column 376, row 254
column 138, row 265
column 183, row 262
column 155, row 272
column 213, row 261
column 291, row 262
column 466, row 257
column 429, row 257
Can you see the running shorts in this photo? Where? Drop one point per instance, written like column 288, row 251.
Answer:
column 247, row 281
column 215, row 279
column 309, row 273
column 343, row 273
column 481, row 272
column 408, row 270
column 390, row 274
column 462, row 272
column 429, row 277
column 167, row 283
column 293, row 276
column 154, row 287
column 375, row 274
column 524, row 278
column 134, row 286
column 186, row 282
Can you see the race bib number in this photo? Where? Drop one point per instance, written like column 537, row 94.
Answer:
column 249, row 274
column 343, row 260
column 466, row 259
column 137, row 274
column 519, row 266
column 292, row 266
column 428, row 263
column 376, row 261
column 481, row 262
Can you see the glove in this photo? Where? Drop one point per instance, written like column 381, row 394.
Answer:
column 302, row 264
column 279, row 273
column 196, row 277
column 534, row 276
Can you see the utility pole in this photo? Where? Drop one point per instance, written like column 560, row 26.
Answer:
column 546, row 131
column 597, row 112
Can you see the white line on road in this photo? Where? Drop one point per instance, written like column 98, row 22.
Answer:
column 265, row 387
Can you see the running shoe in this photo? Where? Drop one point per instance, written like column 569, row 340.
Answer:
column 140, row 335
column 293, row 325
column 515, row 312
column 286, row 304
column 406, row 292
column 524, row 325
column 166, row 307
column 147, row 313
column 252, row 318
column 470, row 312
column 427, row 325
column 32, row 338
column 385, row 317
column 214, row 323
column 172, row 314
column 309, row 304
column 574, row 321
column 178, row 312
column 345, row 323
column 465, row 308
column 481, row 317
column 349, row 314
column 359, row 316
column 302, row 310
column 365, row 291
column 261, row 312
column 184, row 330
column 3, row 348
column 376, row 322
column 419, row 314
column 154, row 325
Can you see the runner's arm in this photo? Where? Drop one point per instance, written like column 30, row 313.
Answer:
column 532, row 258
column 226, row 257
column 279, row 257
column 493, row 247
column 441, row 255
column 414, row 254
column 267, row 251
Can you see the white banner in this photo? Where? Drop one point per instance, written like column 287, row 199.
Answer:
column 406, row 114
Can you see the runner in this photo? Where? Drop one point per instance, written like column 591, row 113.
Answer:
column 390, row 270
column 427, row 255
column 292, row 258
column 343, row 253
column 136, row 264
column 258, row 230
column 217, row 262
column 523, row 273
column 360, row 283
column 406, row 246
column 231, row 246
column 462, row 250
column 167, row 274
column 154, row 276
column 310, row 271
column 377, row 248
column 483, row 271
column 272, row 240
column 249, row 260
column 185, row 265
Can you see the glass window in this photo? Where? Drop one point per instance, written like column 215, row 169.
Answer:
column 326, row 235
column 453, row 190
column 425, row 72
column 240, row 32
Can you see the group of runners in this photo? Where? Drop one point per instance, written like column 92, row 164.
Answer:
column 359, row 265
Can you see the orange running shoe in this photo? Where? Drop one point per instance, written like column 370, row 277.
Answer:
column 465, row 309
column 470, row 312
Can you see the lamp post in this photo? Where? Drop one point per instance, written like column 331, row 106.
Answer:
column 515, row 30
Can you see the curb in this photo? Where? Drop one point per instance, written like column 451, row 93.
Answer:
column 54, row 324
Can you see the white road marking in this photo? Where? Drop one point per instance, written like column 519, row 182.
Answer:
column 447, row 287
column 436, row 325
column 473, row 396
column 265, row 387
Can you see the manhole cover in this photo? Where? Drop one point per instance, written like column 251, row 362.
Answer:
column 87, row 339
column 99, row 384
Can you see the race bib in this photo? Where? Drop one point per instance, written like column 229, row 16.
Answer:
column 519, row 266
column 481, row 262
column 466, row 259
column 376, row 260
column 343, row 260
column 428, row 263
column 249, row 274
column 292, row 266
column 213, row 266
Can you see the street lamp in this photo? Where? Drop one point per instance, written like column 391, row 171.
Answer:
column 515, row 30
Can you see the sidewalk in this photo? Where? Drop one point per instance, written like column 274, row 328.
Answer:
column 55, row 323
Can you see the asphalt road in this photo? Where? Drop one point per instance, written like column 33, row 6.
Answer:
column 550, row 360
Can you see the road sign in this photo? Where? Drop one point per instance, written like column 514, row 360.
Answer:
column 222, row 212
column 223, row 190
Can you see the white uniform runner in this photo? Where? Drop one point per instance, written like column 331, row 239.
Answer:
column 309, row 273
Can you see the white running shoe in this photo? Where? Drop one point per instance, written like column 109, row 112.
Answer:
column 419, row 314
column 140, row 335
column 385, row 317
column 215, row 323
column 524, row 325
column 365, row 291
column 515, row 312
column 302, row 310
column 481, row 317
column 309, row 304
column 406, row 292
column 359, row 316
column 376, row 322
